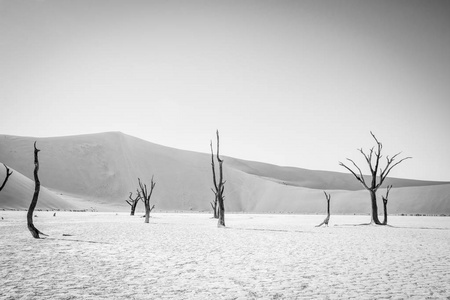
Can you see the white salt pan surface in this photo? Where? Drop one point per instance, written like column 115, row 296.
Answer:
column 185, row 256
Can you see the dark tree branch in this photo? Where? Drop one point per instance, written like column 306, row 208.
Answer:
column 218, row 185
column 34, row 231
column 360, row 178
column 8, row 173
column 145, row 196
column 213, row 167
column 220, row 161
column 385, row 201
column 368, row 157
column 378, row 155
column 388, row 189
column 388, row 168
column 133, row 202
column 327, row 219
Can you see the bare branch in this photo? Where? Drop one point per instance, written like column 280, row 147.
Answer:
column 385, row 198
column 360, row 178
column 221, row 183
column 213, row 167
column 368, row 158
column 388, row 169
column 375, row 138
column 8, row 173
column 388, row 188
column 218, row 158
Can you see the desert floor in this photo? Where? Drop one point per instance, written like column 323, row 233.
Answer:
column 92, row 255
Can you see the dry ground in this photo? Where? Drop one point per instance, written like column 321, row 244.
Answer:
column 185, row 256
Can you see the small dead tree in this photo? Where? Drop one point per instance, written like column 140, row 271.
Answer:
column 214, row 205
column 8, row 173
column 385, row 201
column 218, row 185
column 133, row 202
column 327, row 219
column 377, row 172
column 34, row 231
column 146, row 195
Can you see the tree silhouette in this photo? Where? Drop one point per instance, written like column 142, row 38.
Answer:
column 146, row 195
column 385, row 201
column 133, row 202
column 34, row 231
column 327, row 219
column 378, row 173
column 219, row 185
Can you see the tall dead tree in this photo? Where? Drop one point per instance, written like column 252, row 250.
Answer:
column 8, row 173
column 218, row 185
column 34, row 231
column 327, row 219
column 146, row 195
column 385, row 201
column 378, row 173
column 214, row 205
column 133, row 202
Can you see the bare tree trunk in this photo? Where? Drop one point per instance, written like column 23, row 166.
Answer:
column 34, row 231
column 373, row 200
column 214, row 206
column 218, row 185
column 385, row 201
column 8, row 173
column 146, row 198
column 147, row 214
column 221, row 221
column 327, row 219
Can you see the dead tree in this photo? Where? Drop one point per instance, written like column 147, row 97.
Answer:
column 34, row 231
column 8, row 173
column 218, row 185
column 327, row 219
column 146, row 195
column 133, row 202
column 214, row 205
column 385, row 201
column 377, row 172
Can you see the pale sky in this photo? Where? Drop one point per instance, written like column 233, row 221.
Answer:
column 293, row 83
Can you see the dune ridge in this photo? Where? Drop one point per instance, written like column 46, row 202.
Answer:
column 99, row 170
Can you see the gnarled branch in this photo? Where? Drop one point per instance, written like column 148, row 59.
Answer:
column 34, row 231
column 8, row 173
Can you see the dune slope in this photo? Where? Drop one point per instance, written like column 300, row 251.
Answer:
column 18, row 192
column 103, row 169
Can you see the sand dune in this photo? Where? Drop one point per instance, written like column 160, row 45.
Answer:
column 18, row 192
column 101, row 169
